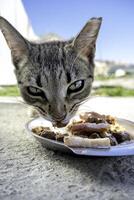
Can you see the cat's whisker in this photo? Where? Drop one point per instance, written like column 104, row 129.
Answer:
column 22, row 102
column 83, row 101
column 28, row 106
column 85, row 109
column 84, row 106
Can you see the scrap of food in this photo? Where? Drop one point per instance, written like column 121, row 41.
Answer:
column 91, row 129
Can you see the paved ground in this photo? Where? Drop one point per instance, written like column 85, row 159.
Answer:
column 29, row 171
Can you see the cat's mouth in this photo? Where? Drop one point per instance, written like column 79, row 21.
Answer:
column 57, row 122
column 65, row 121
column 60, row 124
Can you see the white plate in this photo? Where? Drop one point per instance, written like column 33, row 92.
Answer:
column 119, row 150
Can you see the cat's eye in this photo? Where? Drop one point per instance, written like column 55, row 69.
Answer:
column 35, row 91
column 76, row 86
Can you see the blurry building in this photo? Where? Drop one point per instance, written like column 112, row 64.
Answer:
column 121, row 69
column 117, row 69
column 15, row 13
column 101, row 68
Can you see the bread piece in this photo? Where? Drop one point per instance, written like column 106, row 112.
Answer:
column 75, row 141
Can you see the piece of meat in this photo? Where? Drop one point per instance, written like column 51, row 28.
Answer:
column 44, row 132
column 40, row 129
column 121, row 136
column 88, row 128
column 48, row 134
column 94, row 117
column 94, row 135
column 113, row 140
column 85, row 135
column 60, row 136
column 110, row 119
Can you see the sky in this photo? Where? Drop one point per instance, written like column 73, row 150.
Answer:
column 67, row 17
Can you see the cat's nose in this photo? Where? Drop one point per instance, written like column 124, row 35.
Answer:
column 57, row 112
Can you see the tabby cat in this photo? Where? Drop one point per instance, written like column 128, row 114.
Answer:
column 54, row 77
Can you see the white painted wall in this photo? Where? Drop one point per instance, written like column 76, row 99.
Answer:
column 15, row 13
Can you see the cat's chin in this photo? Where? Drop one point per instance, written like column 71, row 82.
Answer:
column 60, row 124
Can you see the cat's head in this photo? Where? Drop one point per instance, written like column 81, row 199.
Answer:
column 54, row 77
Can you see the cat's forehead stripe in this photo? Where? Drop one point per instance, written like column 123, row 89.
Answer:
column 68, row 77
column 57, row 62
column 38, row 81
column 60, row 74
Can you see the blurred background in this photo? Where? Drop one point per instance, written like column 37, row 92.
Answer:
column 45, row 20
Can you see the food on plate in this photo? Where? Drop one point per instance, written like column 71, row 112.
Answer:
column 75, row 141
column 94, row 117
column 90, row 129
column 40, row 129
column 60, row 136
column 95, row 125
column 45, row 132
column 49, row 134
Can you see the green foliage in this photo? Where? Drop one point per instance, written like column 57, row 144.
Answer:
column 114, row 91
column 104, row 78
column 113, row 77
column 9, row 91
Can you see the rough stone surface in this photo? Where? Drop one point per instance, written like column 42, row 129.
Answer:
column 30, row 172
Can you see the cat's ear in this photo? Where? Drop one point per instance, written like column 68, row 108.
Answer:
column 15, row 41
column 85, row 41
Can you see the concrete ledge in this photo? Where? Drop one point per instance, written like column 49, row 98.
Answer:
column 11, row 100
